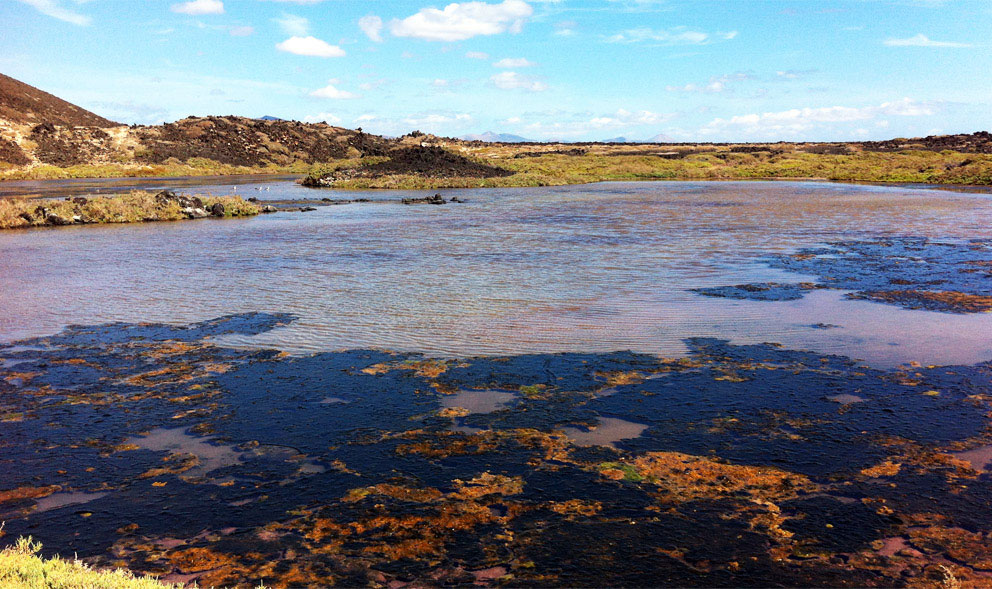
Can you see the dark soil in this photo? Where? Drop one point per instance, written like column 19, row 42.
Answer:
column 980, row 142
column 11, row 153
column 434, row 162
column 427, row 162
column 24, row 104
column 69, row 146
column 241, row 141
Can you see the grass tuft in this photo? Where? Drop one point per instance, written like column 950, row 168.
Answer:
column 22, row 568
column 135, row 207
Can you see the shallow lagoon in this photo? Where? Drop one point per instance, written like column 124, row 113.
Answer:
column 505, row 440
column 582, row 268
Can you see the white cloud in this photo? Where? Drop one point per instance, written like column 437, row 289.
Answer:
column 299, row 1
column 513, row 80
column 510, row 62
column 675, row 36
column 244, row 31
column 429, row 120
column 198, row 7
column 324, row 117
column 330, row 91
column 922, row 40
column 440, row 83
column 458, row 22
column 626, row 118
column 798, row 120
column 53, row 9
column 372, row 27
column 477, row 55
column 365, row 118
column 565, row 28
column 311, row 46
column 373, row 84
column 584, row 125
column 715, row 85
column 295, row 26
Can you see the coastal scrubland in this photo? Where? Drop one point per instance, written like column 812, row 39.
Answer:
column 559, row 165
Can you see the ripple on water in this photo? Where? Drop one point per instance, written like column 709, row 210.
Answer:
column 532, row 270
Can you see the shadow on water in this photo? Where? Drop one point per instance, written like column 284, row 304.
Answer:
column 735, row 465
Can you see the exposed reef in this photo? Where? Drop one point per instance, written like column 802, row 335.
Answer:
column 152, row 447
column 914, row 273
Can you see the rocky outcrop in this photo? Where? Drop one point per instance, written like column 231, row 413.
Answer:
column 427, row 200
column 423, row 161
column 190, row 206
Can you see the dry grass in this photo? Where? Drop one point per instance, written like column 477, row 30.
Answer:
column 604, row 163
column 135, row 207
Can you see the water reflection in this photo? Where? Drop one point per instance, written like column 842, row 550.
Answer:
column 588, row 268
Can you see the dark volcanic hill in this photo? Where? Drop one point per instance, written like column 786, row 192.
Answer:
column 24, row 104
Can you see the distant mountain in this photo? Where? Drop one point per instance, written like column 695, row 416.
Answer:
column 491, row 137
column 26, row 105
column 270, row 118
column 660, row 138
column 616, row 140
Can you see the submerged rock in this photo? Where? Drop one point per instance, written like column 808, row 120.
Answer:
column 427, row 200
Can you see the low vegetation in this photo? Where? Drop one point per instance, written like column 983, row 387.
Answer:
column 21, row 567
column 620, row 163
column 192, row 167
column 135, row 207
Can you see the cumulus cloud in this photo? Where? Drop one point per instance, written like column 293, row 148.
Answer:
column 199, row 7
column 324, row 117
column 922, row 40
column 513, row 80
column 332, row 92
column 675, row 36
column 510, row 62
column 372, row 27
column 310, row 46
column 296, row 26
column 461, row 21
column 54, row 9
column 477, row 55
column 797, row 120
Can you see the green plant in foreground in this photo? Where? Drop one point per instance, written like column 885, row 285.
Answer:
column 22, row 568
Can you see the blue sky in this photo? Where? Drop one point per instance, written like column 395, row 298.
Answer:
column 691, row 70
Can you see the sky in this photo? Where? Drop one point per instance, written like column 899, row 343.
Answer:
column 678, row 70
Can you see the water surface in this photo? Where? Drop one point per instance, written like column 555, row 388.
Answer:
column 581, row 268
